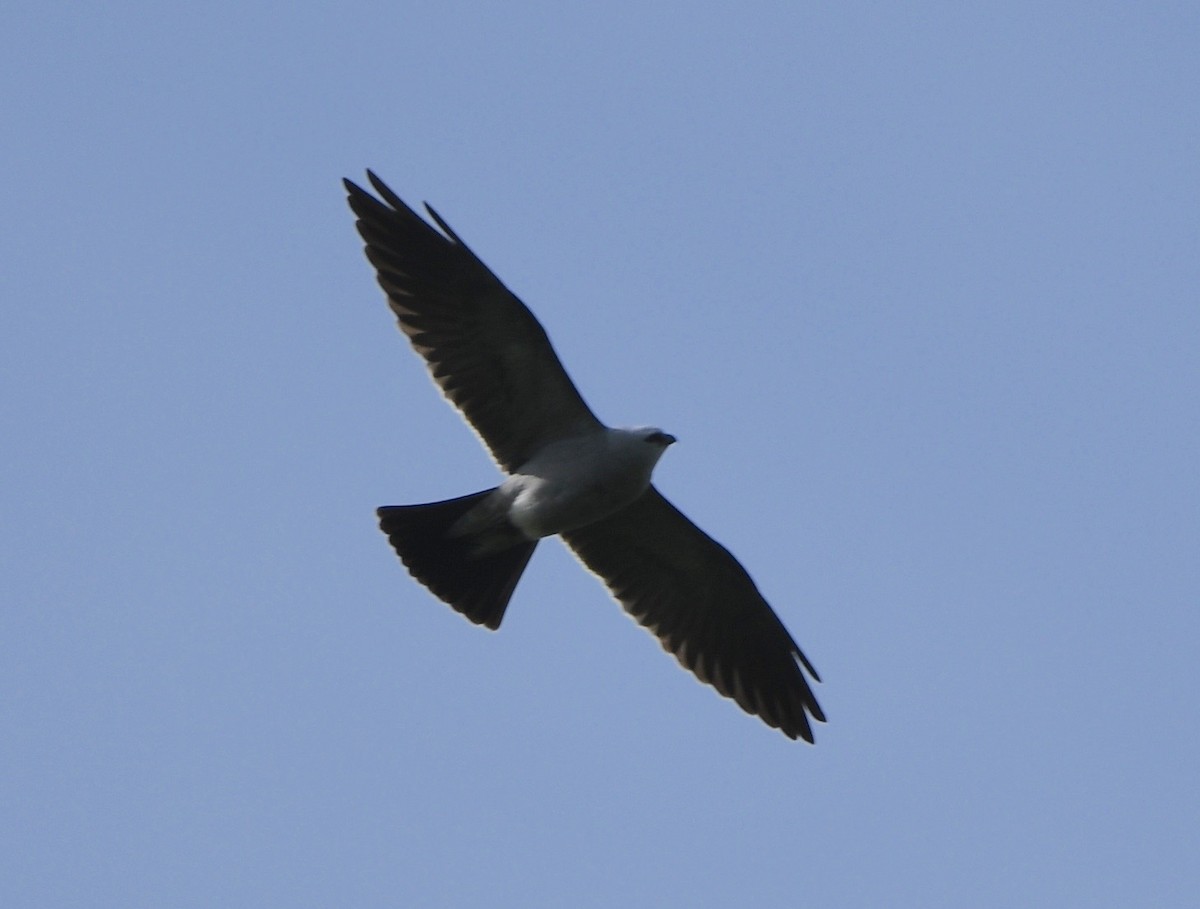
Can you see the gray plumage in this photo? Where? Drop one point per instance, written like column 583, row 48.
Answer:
column 567, row 474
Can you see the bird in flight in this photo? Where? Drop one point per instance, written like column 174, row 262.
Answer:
column 567, row 474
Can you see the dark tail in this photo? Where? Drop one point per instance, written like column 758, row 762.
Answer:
column 478, row 586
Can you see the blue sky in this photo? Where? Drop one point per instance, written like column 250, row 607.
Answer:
column 915, row 287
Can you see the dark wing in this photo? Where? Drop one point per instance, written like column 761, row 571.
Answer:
column 694, row 595
column 484, row 348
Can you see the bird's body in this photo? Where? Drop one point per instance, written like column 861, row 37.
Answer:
column 577, row 481
column 567, row 474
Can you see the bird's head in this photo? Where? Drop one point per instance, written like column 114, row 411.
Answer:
column 654, row 436
column 645, row 443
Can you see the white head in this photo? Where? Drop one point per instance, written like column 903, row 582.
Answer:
column 642, row 444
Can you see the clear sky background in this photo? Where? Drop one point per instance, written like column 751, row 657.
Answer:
column 915, row 285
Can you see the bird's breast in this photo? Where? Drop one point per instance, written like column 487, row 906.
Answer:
column 572, row 486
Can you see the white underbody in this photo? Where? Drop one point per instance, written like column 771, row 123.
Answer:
column 572, row 483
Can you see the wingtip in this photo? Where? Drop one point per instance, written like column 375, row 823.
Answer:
column 385, row 191
column 440, row 222
column 357, row 193
column 812, row 670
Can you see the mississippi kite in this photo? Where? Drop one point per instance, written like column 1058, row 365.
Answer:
column 567, row 474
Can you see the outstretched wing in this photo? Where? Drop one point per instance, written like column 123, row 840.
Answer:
column 690, row 592
column 484, row 348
